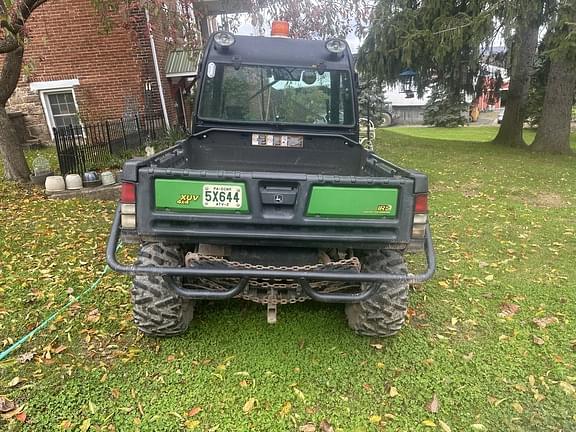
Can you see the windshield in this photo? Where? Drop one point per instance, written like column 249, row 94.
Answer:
column 277, row 95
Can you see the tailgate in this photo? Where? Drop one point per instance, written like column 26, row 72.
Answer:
column 274, row 208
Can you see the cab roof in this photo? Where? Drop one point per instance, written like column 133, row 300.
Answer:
column 277, row 51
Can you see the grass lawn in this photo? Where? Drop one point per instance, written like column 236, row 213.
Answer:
column 473, row 133
column 493, row 336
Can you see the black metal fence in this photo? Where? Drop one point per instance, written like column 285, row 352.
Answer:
column 84, row 147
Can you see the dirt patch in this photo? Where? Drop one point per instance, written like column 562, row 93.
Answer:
column 471, row 188
column 544, row 200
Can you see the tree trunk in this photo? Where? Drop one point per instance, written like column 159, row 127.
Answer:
column 15, row 165
column 526, row 41
column 553, row 134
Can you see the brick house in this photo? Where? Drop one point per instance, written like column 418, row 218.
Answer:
column 74, row 71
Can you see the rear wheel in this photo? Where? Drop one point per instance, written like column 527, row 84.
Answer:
column 384, row 313
column 158, row 310
column 386, row 120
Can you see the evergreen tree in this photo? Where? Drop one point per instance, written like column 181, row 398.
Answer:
column 445, row 110
column 372, row 97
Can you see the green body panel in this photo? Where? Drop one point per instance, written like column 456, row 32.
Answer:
column 187, row 195
column 332, row 201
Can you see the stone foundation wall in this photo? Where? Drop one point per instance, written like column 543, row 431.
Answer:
column 28, row 102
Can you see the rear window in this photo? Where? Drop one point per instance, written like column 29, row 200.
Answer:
column 267, row 94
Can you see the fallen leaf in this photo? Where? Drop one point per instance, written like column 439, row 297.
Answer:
column 115, row 393
column 21, row 417
column 93, row 316
column 325, row 426
column 393, row 392
column 194, row 411
column 249, row 405
column 191, row 424
column 92, row 407
column 375, row 419
column 171, row 358
column 26, row 357
column 508, row 310
column 521, row 387
column 380, row 365
column 478, row 427
column 6, row 405
column 85, row 425
column 14, row 382
column 495, row 402
column 567, row 387
column 429, row 423
column 377, row 346
column 546, row 321
column 286, row 409
column 308, row 427
column 434, row 405
column 244, row 384
column 444, row 426
column 59, row 349
column 299, row 393
column 537, row 340
column 518, row 407
column 65, row 425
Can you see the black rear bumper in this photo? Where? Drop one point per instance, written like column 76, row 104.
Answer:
column 303, row 277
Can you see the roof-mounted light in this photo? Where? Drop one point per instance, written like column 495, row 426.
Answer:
column 335, row 46
column 224, row 39
column 280, row 29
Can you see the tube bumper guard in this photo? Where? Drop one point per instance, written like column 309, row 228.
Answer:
column 302, row 277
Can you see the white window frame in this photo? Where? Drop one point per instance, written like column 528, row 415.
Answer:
column 45, row 88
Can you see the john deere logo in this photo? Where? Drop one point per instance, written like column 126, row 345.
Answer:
column 384, row 208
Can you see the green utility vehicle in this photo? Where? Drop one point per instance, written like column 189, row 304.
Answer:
column 272, row 199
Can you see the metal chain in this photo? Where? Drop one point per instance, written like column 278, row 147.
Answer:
column 279, row 290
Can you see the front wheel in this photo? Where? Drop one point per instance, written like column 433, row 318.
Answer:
column 158, row 310
column 383, row 314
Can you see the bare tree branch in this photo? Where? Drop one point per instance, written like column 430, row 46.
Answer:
column 10, row 73
column 25, row 10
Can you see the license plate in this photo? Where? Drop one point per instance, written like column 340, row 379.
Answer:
column 287, row 141
column 221, row 196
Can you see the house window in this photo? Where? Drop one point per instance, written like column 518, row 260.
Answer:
column 61, row 108
column 58, row 102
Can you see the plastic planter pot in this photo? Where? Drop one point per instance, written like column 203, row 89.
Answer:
column 107, row 178
column 73, row 182
column 91, row 179
column 54, row 184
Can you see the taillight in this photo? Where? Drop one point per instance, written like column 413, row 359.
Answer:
column 128, row 193
column 420, row 216
column 421, row 203
column 128, row 205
